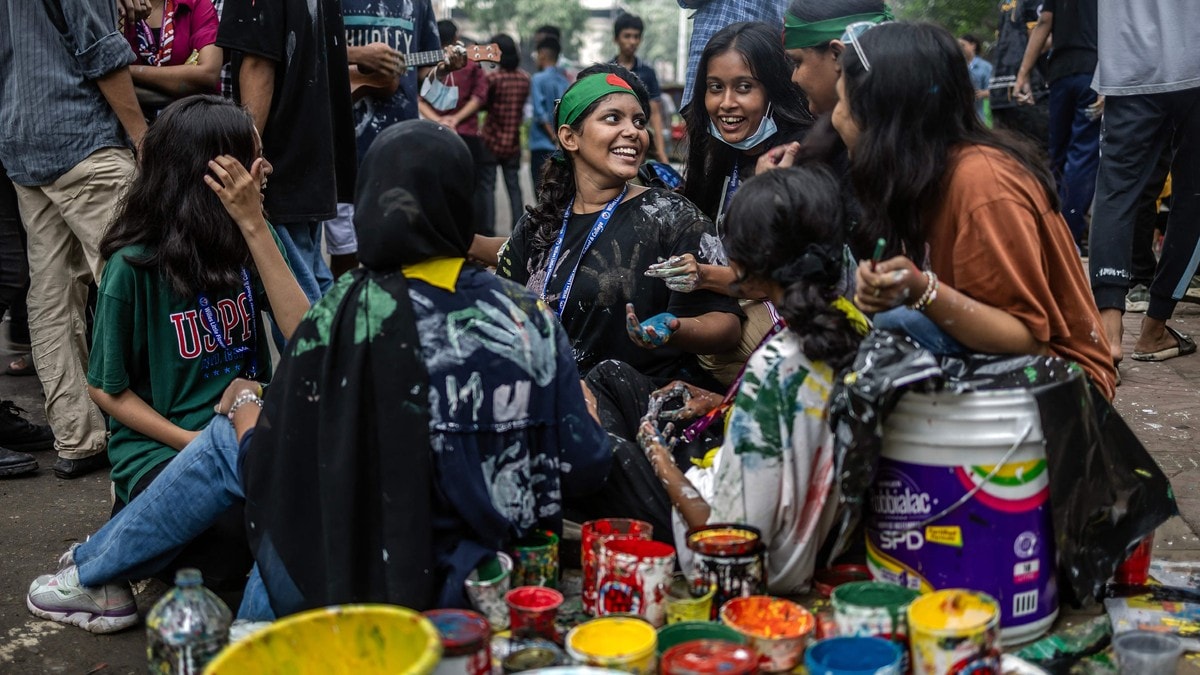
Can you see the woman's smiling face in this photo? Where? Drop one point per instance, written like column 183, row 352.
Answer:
column 734, row 99
column 612, row 141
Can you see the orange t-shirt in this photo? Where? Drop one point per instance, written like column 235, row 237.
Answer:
column 996, row 238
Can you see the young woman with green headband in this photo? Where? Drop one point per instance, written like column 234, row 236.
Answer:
column 812, row 37
column 582, row 244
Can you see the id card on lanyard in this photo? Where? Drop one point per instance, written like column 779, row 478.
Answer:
column 208, row 313
column 556, row 251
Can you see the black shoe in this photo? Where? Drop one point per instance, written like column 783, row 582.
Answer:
column 78, row 468
column 18, row 433
column 16, row 463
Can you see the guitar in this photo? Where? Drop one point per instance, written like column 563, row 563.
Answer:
column 381, row 85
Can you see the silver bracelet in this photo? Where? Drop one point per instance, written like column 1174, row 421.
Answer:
column 243, row 398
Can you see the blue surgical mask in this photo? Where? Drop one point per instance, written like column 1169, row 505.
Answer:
column 766, row 129
column 443, row 98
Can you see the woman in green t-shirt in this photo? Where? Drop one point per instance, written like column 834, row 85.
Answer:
column 190, row 263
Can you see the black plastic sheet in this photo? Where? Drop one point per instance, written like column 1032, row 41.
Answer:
column 1106, row 491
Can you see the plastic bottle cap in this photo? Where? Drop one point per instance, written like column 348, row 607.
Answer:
column 189, row 576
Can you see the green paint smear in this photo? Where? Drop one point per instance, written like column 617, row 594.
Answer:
column 375, row 307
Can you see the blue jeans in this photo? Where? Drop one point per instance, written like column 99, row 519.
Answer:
column 1074, row 148
column 302, row 244
column 920, row 328
column 183, row 501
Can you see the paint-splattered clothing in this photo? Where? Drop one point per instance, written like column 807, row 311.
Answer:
column 774, row 470
column 508, row 425
column 644, row 229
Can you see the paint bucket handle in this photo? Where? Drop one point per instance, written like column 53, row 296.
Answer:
column 978, row 486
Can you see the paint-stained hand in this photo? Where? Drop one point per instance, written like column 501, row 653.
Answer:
column 240, row 190
column 682, row 273
column 655, row 443
column 654, row 332
column 696, row 401
column 891, row 283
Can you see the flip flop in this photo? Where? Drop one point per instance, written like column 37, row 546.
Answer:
column 1184, row 346
column 25, row 369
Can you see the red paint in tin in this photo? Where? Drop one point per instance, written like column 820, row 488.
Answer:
column 594, row 534
column 708, row 657
column 532, row 611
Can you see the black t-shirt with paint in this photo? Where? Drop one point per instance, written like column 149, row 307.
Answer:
column 309, row 137
column 643, row 230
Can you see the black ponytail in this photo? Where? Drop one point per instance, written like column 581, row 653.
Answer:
column 788, row 227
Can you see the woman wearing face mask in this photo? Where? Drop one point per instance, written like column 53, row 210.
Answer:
column 745, row 105
column 980, row 252
column 591, row 227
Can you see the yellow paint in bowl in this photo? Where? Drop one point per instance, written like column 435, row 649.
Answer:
column 623, row 643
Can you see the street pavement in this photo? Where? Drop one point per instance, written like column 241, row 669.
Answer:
column 41, row 516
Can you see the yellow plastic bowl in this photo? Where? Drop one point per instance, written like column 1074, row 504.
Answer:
column 343, row 639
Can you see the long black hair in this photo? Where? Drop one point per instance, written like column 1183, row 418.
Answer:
column 913, row 107
column 709, row 160
column 189, row 237
column 510, row 56
column 787, row 226
column 558, row 174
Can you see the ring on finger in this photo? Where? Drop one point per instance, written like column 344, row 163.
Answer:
column 876, row 291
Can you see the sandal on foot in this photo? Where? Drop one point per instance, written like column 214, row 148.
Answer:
column 1184, row 346
column 21, row 367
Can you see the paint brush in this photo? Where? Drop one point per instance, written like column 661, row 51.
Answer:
column 879, row 245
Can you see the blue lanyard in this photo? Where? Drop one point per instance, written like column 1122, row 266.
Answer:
column 735, row 180
column 601, row 223
column 209, row 314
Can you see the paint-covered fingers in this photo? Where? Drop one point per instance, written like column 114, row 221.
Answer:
column 682, row 273
column 653, row 332
column 887, row 284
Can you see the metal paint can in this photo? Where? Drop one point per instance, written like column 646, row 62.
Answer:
column 954, row 631
column 620, row 643
column 593, row 535
column 873, row 608
column 535, row 560
column 730, row 556
column 777, row 629
column 709, row 657
column 634, row 576
column 487, row 595
column 465, row 641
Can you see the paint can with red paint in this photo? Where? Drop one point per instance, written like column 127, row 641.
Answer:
column 634, row 577
column 532, row 611
column 709, row 657
column 593, row 535
column 730, row 556
column 465, row 641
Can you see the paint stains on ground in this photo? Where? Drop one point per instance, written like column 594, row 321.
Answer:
column 26, row 637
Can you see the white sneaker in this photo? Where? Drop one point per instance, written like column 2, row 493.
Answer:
column 97, row 609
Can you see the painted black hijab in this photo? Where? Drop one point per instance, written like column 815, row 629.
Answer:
column 339, row 475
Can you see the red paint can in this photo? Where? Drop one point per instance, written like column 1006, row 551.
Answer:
column 465, row 641
column 708, row 657
column 730, row 556
column 593, row 535
column 1135, row 569
column 532, row 611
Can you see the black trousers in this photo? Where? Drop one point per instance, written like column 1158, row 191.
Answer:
column 14, row 266
column 1137, row 130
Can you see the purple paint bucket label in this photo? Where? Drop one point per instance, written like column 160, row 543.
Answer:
column 998, row 540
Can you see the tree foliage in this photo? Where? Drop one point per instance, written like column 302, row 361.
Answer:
column 958, row 16
column 520, row 18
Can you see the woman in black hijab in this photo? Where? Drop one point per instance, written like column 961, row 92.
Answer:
column 427, row 413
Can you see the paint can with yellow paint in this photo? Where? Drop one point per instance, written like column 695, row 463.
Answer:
column 954, row 631
column 618, row 642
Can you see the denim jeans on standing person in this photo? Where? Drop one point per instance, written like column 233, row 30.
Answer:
column 920, row 328
column 1074, row 148
column 302, row 244
column 510, row 168
column 194, row 489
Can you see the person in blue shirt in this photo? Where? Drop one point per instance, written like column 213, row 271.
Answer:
column 548, row 86
column 980, row 70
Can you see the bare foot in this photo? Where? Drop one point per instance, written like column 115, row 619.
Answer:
column 1154, row 337
column 1113, row 330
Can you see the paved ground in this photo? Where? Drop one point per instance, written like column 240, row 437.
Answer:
column 41, row 515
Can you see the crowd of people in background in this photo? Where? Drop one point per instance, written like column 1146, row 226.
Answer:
column 173, row 167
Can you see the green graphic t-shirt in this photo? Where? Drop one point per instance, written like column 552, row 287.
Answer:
column 157, row 344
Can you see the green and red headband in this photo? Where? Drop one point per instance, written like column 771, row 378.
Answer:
column 798, row 34
column 586, row 92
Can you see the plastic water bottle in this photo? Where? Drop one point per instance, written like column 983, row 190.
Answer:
column 187, row 628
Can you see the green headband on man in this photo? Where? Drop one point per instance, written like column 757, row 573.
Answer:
column 798, row 34
column 586, row 92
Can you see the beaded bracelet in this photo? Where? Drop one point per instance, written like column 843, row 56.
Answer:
column 930, row 294
column 243, row 398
